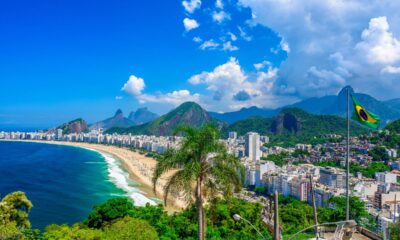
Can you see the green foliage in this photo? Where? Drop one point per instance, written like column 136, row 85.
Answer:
column 130, row 228
column 14, row 209
column 393, row 127
column 370, row 170
column 300, row 153
column 278, row 159
column 77, row 231
column 395, row 231
column 9, row 230
column 357, row 208
column 292, row 126
column 106, row 212
column 260, row 189
column 378, row 153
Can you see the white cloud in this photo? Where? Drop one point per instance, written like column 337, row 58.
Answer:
column 210, row 44
column 232, row 36
column 231, row 88
column 334, row 43
column 134, row 85
column 220, row 16
column 191, row 5
column 244, row 35
column 285, row 46
column 391, row 70
column 378, row 42
column 174, row 98
column 261, row 65
column 197, row 39
column 219, row 4
column 227, row 46
column 119, row 97
column 190, row 24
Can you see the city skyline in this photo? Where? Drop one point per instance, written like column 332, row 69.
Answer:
column 67, row 60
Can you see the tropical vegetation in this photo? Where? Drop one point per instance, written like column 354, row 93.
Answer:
column 203, row 169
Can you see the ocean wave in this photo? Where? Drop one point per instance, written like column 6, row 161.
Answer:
column 121, row 179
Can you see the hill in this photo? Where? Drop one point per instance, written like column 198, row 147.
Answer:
column 293, row 125
column 327, row 105
column 118, row 120
column 393, row 127
column 142, row 115
column 244, row 113
column 188, row 113
column 75, row 126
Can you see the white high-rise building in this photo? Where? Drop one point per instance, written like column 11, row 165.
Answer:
column 252, row 144
column 232, row 135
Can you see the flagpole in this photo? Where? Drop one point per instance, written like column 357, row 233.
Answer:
column 348, row 156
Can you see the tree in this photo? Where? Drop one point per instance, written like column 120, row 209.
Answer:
column 130, row 228
column 14, row 209
column 112, row 209
column 201, row 161
column 379, row 153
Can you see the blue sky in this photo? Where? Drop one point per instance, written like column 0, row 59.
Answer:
column 66, row 59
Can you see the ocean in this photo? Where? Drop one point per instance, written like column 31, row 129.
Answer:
column 62, row 182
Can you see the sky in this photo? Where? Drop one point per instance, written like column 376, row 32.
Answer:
column 62, row 60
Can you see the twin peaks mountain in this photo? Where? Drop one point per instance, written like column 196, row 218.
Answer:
column 142, row 115
column 188, row 113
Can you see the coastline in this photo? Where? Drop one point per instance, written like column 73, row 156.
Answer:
column 139, row 167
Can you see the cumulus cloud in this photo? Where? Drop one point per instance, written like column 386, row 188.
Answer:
column 378, row 42
column 219, row 4
column 190, row 24
column 119, row 97
column 134, row 85
column 191, row 6
column 334, row 43
column 229, row 87
column 174, row 98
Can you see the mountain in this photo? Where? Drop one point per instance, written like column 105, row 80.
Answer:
column 394, row 103
column 336, row 105
column 393, row 127
column 75, row 126
column 294, row 125
column 118, row 120
column 231, row 117
column 188, row 113
column 327, row 105
column 142, row 115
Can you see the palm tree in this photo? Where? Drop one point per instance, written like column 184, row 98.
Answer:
column 202, row 169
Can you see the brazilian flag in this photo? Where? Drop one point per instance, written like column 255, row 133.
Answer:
column 365, row 117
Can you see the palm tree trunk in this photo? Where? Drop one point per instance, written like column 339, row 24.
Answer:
column 200, row 209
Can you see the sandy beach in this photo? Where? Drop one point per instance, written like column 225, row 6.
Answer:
column 139, row 167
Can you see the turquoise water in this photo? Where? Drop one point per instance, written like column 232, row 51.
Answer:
column 62, row 182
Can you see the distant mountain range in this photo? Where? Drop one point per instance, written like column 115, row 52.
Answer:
column 332, row 105
column 290, row 125
column 188, row 113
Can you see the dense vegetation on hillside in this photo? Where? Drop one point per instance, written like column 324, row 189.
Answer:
column 188, row 113
column 120, row 219
column 293, row 126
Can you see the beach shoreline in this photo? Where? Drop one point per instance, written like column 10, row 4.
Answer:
column 139, row 167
